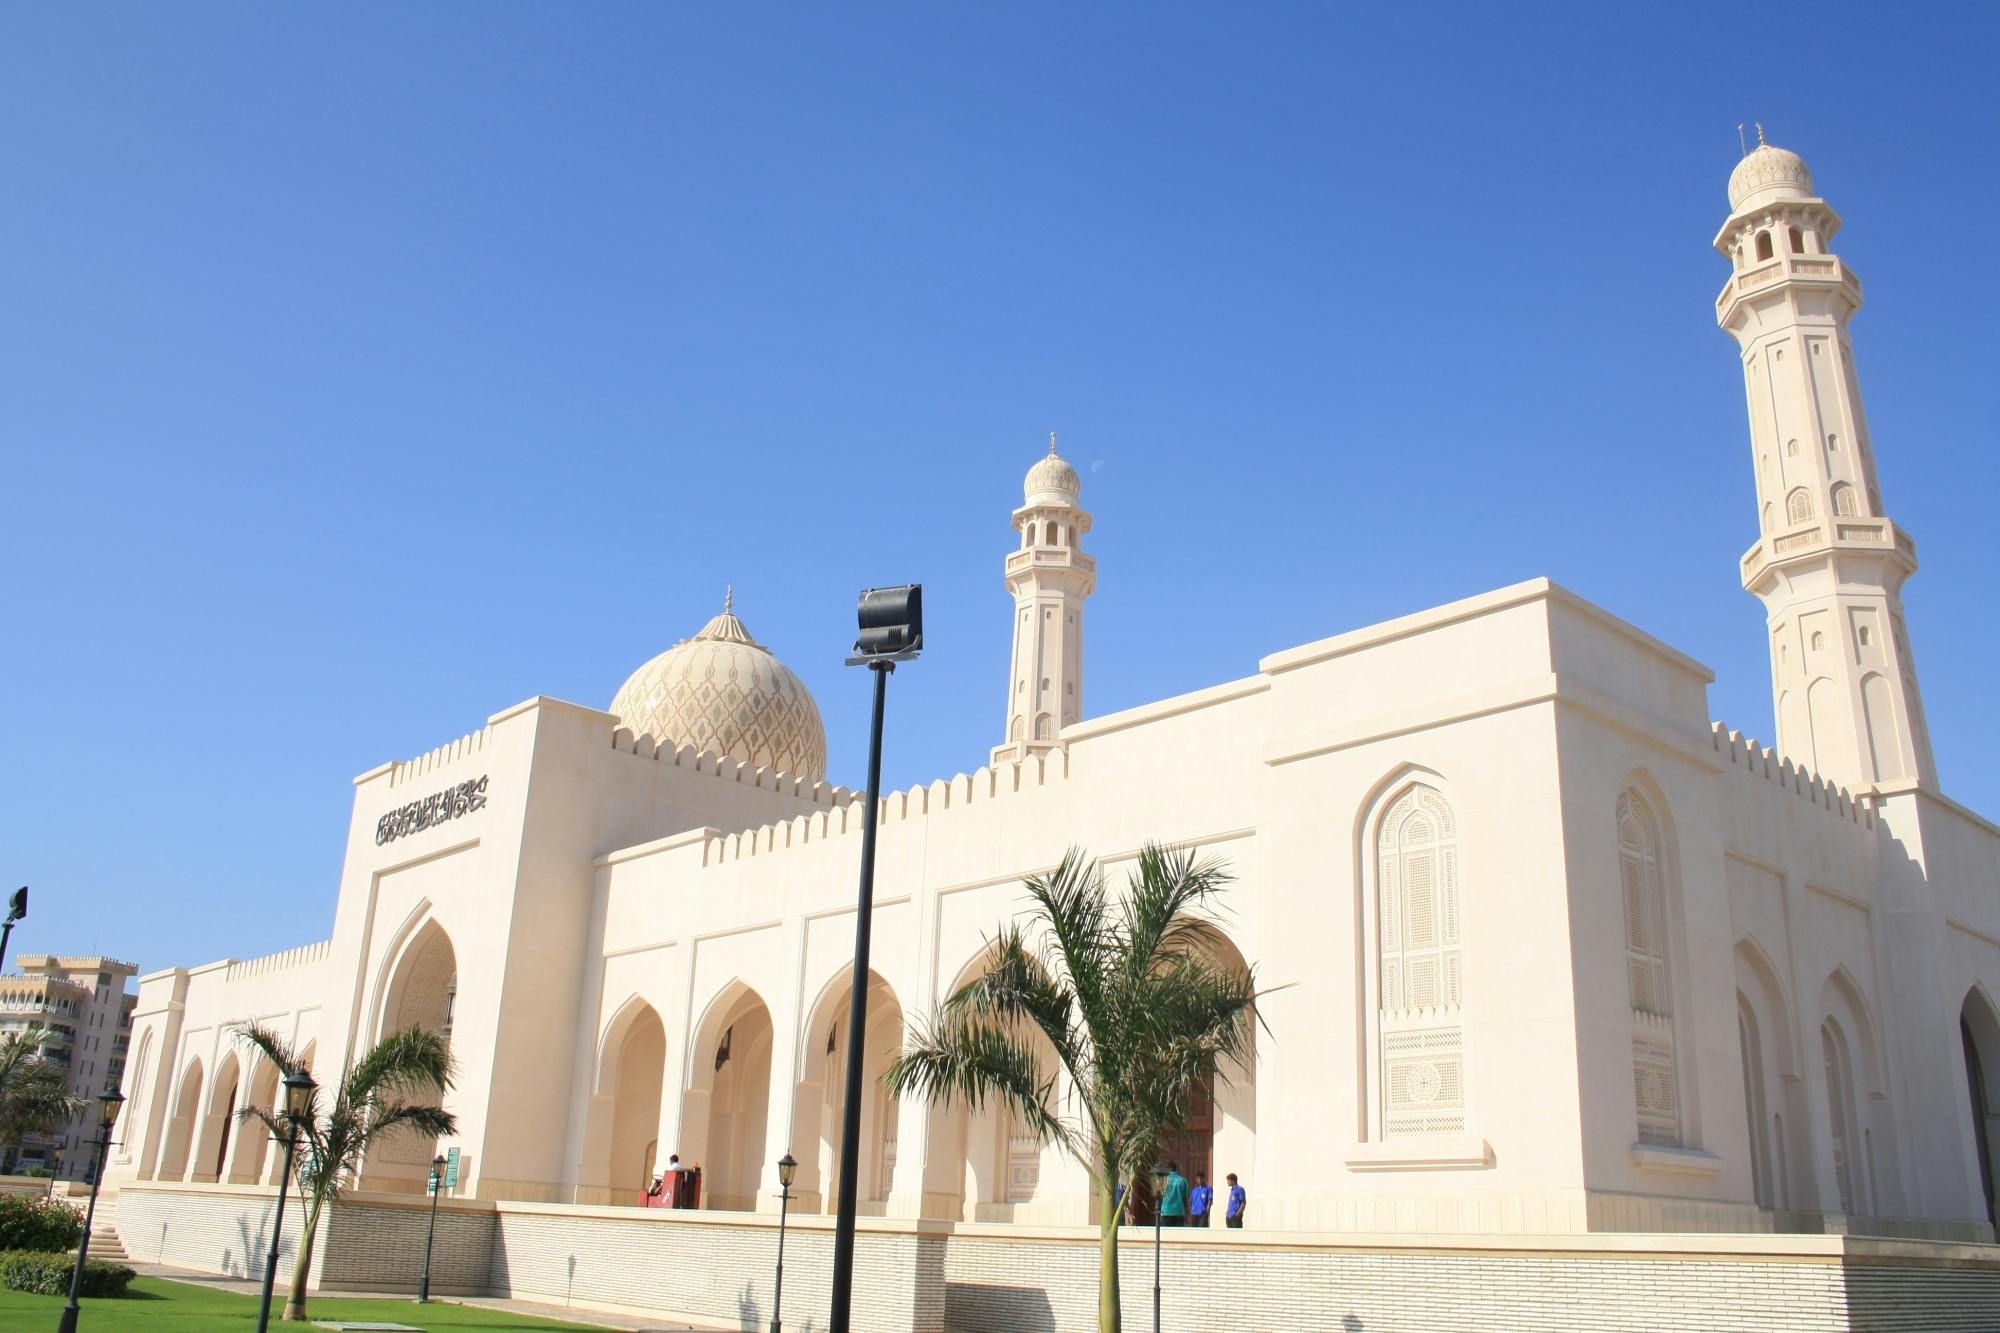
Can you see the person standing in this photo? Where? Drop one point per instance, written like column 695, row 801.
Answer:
column 1174, row 1198
column 1201, row 1201
column 1237, row 1200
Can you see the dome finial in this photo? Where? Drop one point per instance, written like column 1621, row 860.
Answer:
column 1052, row 444
column 728, row 599
column 1760, row 133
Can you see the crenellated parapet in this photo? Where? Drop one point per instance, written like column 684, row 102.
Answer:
column 945, row 796
column 1758, row 760
column 404, row 770
column 278, row 962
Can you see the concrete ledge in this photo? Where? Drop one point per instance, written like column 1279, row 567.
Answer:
column 1424, row 1154
column 1687, row 1161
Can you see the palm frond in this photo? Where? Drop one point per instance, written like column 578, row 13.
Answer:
column 413, row 1060
column 965, row 1060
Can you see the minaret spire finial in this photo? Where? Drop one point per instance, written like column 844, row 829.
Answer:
column 1052, row 444
column 728, row 599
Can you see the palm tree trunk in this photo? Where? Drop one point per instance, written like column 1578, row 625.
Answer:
column 295, row 1299
column 1109, row 1315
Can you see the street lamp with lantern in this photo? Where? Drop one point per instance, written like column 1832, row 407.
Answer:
column 299, row 1088
column 108, row 1105
column 891, row 622
column 17, row 909
column 1160, row 1173
column 437, row 1188
column 787, row 1168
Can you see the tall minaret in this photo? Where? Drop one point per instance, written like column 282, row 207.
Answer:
column 1049, row 577
column 1828, row 564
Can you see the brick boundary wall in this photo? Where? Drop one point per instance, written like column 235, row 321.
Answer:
column 934, row 1277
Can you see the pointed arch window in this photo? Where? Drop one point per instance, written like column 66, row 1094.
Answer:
column 1843, row 501
column 1654, row 1084
column 1419, row 1014
column 1798, row 506
column 1840, row 1115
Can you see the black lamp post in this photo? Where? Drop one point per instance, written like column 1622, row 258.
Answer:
column 107, row 1116
column 892, row 631
column 787, row 1168
column 1160, row 1171
column 437, row 1188
column 299, row 1088
column 17, row 909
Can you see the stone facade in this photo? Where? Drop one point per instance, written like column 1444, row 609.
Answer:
column 1593, row 1010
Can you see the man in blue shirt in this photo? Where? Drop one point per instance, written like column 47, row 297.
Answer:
column 1174, row 1198
column 1234, row 1217
column 1199, row 1202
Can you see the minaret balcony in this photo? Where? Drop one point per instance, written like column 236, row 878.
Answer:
column 1813, row 270
column 1055, row 558
column 1876, row 537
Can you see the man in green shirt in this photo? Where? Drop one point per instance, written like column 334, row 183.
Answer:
column 1174, row 1198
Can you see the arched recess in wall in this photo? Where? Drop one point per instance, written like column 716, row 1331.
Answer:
column 725, row 1109
column 1823, row 707
column 274, row 1160
column 1221, row 1133
column 1878, row 712
column 1979, row 1041
column 1798, row 505
column 1860, row 1133
column 622, row 1126
column 132, row 1128
column 252, row 1139
column 1773, row 1089
column 211, row 1145
column 819, row 1091
column 1844, row 505
column 1417, row 1068
column 1650, row 943
column 985, row 1158
column 420, row 991
column 182, row 1124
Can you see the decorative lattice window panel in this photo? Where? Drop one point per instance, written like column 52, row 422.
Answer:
column 1024, row 1164
column 1423, row 1081
column 1654, row 1083
column 1419, row 1008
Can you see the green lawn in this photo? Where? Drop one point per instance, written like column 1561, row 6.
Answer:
column 159, row 1306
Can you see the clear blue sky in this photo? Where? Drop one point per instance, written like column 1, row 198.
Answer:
column 367, row 369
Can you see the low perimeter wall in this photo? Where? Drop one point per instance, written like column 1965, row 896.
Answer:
column 935, row 1277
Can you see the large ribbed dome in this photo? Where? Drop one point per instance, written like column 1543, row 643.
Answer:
column 722, row 692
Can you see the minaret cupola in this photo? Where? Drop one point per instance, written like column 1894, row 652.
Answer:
column 1049, row 576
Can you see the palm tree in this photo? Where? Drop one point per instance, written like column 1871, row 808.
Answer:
column 1126, row 993
column 371, row 1103
column 34, row 1090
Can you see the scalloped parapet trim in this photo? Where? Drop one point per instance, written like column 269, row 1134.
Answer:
column 278, row 962
column 1760, row 760
column 921, row 801
column 723, row 766
column 471, row 743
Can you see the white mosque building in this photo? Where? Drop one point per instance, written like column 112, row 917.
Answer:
column 1599, row 1014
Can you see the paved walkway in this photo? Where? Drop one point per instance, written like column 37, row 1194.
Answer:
column 571, row 1314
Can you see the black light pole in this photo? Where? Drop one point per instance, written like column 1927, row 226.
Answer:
column 299, row 1088
column 787, row 1168
column 17, row 908
column 107, row 1116
column 892, row 631
column 437, row 1188
column 1159, row 1186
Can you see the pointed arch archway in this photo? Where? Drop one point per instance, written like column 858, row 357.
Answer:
column 182, row 1124
column 621, row 1134
column 820, row 1093
column 211, row 1144
column 1774, row 1089
column 420, row 991
column 252, row 1140
column 1979, row 1040
column 1859, row 1143
column 726, row 1106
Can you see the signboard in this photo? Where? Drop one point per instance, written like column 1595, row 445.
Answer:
column 450, row 1174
